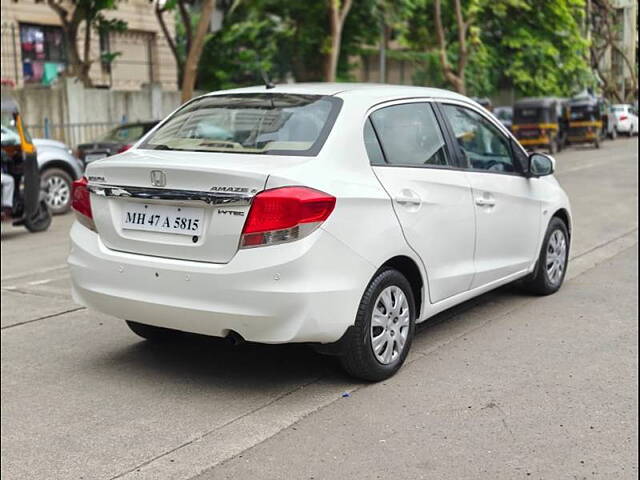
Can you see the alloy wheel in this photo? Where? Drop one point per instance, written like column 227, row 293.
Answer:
column 58, row 192
column 556, row 259
column 389, row 325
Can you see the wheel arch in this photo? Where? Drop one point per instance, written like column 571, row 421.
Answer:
column 61, row 164
column 410, row 269
column 563, row 214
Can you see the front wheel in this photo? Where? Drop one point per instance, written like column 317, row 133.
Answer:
column 552, row 261
column 377, row 345
column 57, row 185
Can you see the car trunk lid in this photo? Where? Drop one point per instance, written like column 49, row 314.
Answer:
column 129, row 193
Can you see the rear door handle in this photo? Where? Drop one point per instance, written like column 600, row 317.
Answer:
column 408, row 197
column 485, row 201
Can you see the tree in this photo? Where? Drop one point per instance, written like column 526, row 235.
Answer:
column 72, row 15
column 455, row 76
column 534, row 47
column 605, row 39
column 338, row 11
column 188, row 61
column 451, row 33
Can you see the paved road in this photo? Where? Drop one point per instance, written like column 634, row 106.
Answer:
column 505, row 386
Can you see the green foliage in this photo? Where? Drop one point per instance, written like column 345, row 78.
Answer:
column 235, row 55
column 536, row 46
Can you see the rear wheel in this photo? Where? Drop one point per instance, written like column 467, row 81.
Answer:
column 150, row 332
column 552, row 261
column 40, row 220
column 377, row 345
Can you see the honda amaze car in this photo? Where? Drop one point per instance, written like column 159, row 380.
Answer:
column 339, row 215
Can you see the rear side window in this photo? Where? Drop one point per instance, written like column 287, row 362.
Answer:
column 261, row 123
column 410, row 135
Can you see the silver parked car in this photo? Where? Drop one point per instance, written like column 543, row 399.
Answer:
column 58, row 169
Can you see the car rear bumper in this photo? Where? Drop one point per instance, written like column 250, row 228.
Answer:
column 304, row 291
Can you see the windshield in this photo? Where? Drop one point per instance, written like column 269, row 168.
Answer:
column 273, row 123
column 584, row 112
column 124, row 134
column 528, row 115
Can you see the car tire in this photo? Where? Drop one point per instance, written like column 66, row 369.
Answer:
column 41, row 219
column 150, row 332
column 554, row 251
column 57, row 185
column 393, row 329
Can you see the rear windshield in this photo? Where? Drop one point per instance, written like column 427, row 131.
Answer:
column 263, row 123
column 124, row 134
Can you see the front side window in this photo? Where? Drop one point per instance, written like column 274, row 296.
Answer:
column 410, row 135
column 261, row 123
column 483, row 145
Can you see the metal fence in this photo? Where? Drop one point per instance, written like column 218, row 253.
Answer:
column 73, row 134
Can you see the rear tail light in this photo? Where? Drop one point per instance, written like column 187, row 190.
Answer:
column 81, row 203
column 285, row 214
column 124, row 148
column 623, row 117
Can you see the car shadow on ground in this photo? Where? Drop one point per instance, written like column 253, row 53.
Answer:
column 203, row 361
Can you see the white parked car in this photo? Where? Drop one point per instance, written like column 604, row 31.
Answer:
column 626, row 119
column 338, row 215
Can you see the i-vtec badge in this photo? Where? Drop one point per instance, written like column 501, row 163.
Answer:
column 230, row 212
column 226, row 189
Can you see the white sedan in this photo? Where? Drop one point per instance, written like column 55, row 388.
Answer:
column 626, row 119
column 339, row 215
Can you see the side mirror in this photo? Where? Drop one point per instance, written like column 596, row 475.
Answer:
column 541, row 165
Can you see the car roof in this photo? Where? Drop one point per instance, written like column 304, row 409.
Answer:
column 373, row 90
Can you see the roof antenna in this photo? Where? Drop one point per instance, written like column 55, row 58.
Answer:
column 265, row 78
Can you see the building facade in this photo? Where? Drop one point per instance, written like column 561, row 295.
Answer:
column 34, row 53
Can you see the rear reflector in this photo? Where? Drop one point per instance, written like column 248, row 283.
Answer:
column 81, row 202
column 285, row 214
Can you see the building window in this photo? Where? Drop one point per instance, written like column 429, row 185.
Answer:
column 43, row 53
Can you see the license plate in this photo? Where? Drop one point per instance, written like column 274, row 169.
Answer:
column 162, row 218
column 90, row 157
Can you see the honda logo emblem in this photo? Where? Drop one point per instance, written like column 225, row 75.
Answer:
column 158, row 178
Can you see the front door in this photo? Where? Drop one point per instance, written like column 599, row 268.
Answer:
column 432, row 199
column 506, row 205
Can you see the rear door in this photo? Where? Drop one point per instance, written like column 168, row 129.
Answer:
column 507, row 204
column 431, row 195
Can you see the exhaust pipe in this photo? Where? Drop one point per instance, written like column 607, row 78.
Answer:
column 234, row 338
